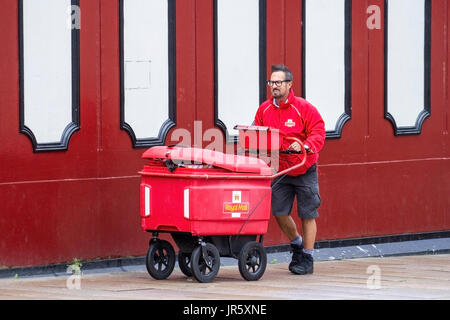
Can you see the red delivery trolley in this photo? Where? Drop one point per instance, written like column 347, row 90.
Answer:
column 213, row 204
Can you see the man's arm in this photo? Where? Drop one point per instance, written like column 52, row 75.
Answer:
column 314, row 129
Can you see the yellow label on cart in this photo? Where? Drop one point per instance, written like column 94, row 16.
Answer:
column 229, row 207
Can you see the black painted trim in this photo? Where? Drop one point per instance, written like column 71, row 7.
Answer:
column 426, row 112
column 172, row 109
column 73, row 126
column 347, row 115
column 262, row 66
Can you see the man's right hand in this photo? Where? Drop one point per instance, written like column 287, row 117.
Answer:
column 295, row 146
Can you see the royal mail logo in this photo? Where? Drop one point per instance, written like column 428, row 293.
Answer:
column 236, row 207
column 289, row 123
column 237, row 196
column 229, row 207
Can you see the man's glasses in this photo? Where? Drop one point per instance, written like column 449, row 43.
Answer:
column 277, row 83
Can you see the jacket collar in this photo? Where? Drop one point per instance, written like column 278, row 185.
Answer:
column 286, row 103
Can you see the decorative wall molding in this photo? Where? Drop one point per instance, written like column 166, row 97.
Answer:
column 145, row 139
column 27, row 82
column 345, row 96
column 260, row 92
column 423, row 114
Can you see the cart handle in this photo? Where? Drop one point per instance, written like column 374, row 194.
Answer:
column 303, row 151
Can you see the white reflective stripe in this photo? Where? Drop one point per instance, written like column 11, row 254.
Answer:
column 298, row 112
column 147, row 201
column 186, row 203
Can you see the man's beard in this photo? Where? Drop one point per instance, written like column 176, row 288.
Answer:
column 277, row 94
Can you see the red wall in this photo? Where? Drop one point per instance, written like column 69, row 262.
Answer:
column 83, row 202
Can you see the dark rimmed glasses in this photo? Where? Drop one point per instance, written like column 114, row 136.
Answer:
column 277, row 83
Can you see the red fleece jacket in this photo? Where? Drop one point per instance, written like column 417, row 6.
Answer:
column 295, row 118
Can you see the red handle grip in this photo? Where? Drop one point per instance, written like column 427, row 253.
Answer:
column 302, row 147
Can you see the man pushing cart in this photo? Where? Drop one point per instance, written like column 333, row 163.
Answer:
column 215, row 204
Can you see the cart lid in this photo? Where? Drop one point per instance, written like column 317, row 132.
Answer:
column 235, row 163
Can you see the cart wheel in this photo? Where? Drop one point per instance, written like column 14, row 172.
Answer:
column 160, row 259
column 205, row 271
column 252, row 261
column 184, row 261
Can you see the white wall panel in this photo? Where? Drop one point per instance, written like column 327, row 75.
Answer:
column 47, row 68
column 405, row 61
column 238, row 61
column 325, row 58
column 146, row 65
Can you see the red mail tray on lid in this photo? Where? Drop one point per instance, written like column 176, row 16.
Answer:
column 189, row 157
column 259, row 138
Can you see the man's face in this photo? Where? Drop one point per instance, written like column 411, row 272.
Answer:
column 282, row 90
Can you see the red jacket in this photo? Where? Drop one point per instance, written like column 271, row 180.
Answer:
column 296, row 118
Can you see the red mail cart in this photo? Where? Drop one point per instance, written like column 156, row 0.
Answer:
column 213, row 204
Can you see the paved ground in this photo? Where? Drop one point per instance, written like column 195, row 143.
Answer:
column 407, row 277
column 407, row 270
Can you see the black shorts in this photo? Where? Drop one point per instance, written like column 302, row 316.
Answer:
column 304, row 186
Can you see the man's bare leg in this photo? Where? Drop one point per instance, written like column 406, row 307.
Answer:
column 309, row 230
column 288, row 226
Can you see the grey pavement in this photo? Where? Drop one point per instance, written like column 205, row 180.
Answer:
column 275, row 255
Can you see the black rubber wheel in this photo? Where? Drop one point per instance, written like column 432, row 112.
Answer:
column 252, row 261
column 184, row 262
column 201, row 271
column 160, row 259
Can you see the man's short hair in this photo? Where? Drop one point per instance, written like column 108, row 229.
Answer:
column 283, row 68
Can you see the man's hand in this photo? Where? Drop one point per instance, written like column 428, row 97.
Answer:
column 295, row 146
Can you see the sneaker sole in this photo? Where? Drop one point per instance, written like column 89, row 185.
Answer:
column 300, row 272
